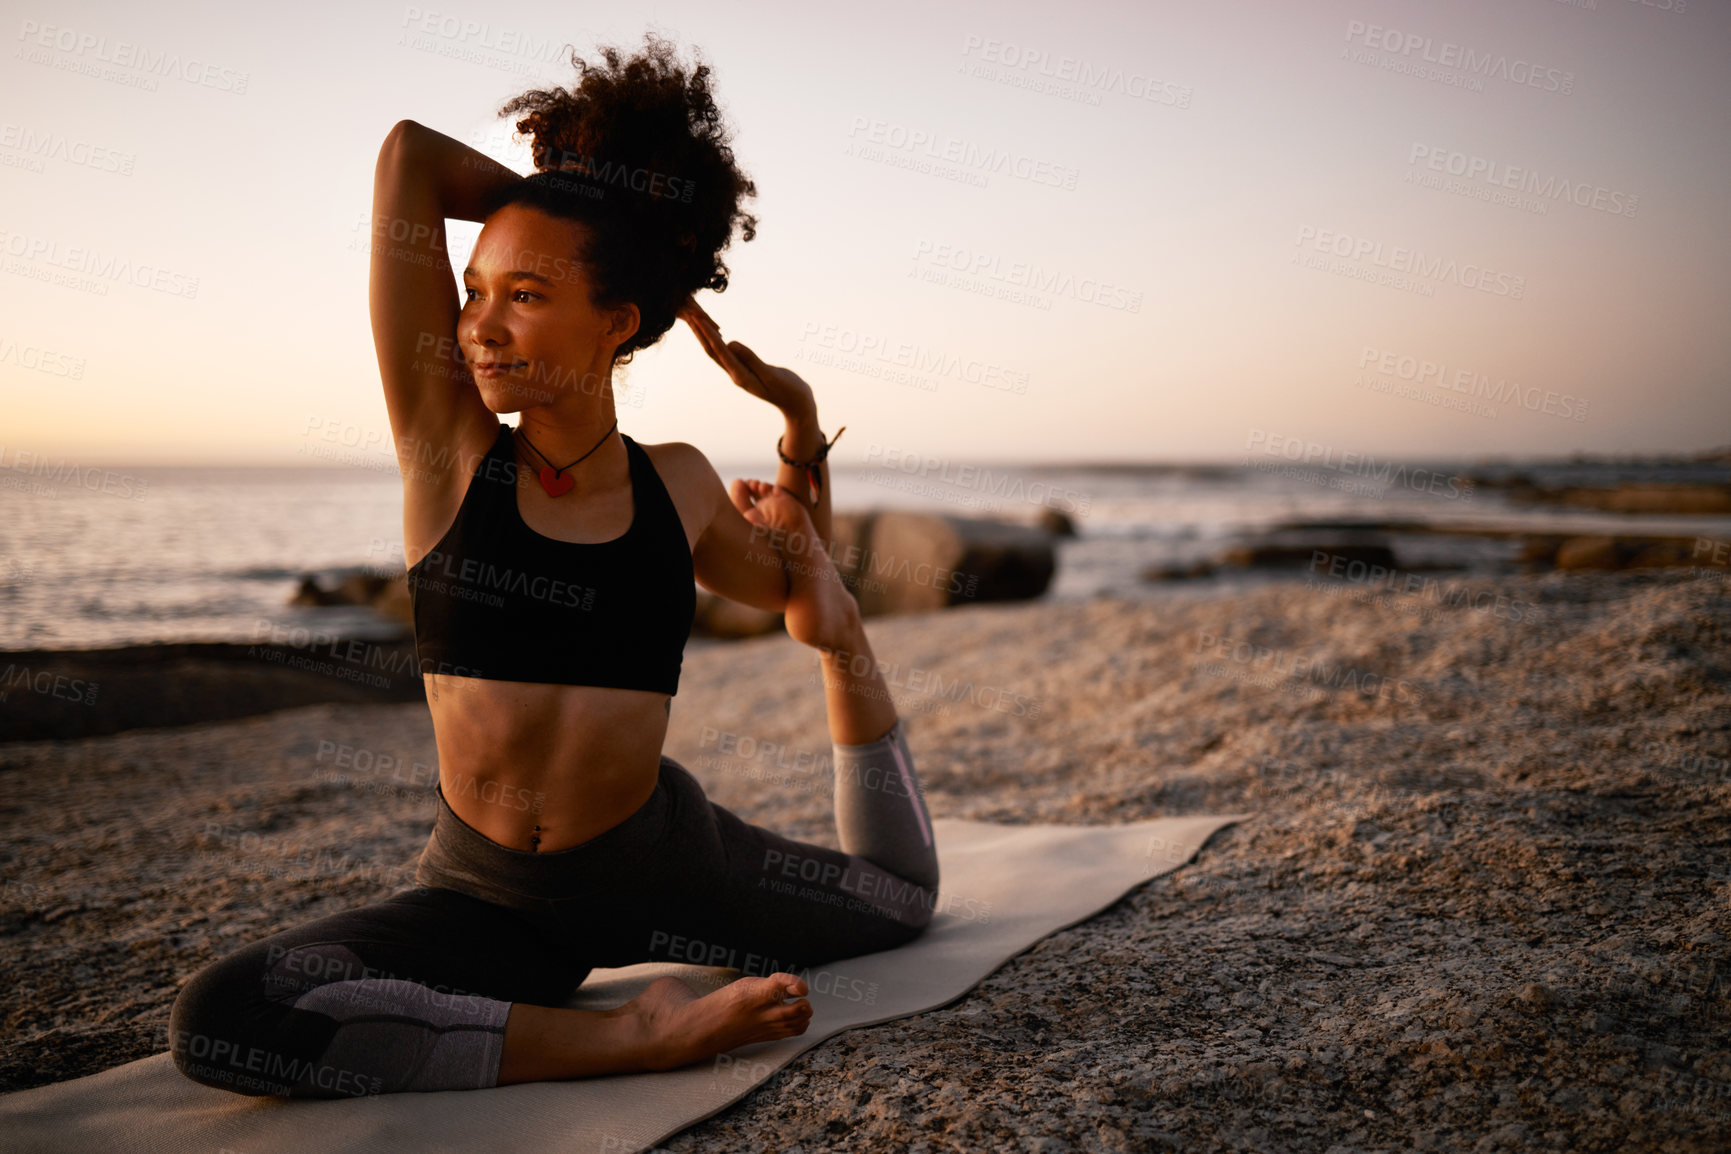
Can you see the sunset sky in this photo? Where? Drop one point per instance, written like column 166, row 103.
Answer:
column 1329, row 221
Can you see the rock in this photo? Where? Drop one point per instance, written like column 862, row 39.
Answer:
column 393, row 600
column 388, row 595
column 1056, row 522
column 1178, row 572
column 173, row 684
column 1633, row 497
column 1588, row 553
column 1661, row 554
column 716, row 616
column 897, row 562
column 1535, row 995
column 1298, row 546
column 312, row 593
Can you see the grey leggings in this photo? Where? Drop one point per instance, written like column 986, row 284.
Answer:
column 412, row 993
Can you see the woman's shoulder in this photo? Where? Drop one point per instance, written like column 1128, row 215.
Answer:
column 690, row 480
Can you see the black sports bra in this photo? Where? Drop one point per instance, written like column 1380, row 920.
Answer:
column 494, row 599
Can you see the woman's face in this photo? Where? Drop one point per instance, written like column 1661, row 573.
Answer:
column 528, row 329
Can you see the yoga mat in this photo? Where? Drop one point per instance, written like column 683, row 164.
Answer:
column 1004, row 888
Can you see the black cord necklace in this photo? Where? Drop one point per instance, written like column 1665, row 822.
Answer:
column 551, row 478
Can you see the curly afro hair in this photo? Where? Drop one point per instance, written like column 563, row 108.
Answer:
column 639, row 154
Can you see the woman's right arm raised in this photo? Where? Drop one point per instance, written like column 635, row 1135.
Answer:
column 438, row 420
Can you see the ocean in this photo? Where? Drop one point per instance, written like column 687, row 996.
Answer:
column 214, row 554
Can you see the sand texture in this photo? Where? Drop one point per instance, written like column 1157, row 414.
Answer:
column 1484, row 904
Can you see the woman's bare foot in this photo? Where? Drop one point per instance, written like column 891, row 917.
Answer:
column 820, row 611
column 685, row 1028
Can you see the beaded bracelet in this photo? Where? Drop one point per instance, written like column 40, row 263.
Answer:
column 812, row 476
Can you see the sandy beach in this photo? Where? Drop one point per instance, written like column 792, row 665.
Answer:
column 1483, row 903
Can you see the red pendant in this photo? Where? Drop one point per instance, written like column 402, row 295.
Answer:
column 555, row 484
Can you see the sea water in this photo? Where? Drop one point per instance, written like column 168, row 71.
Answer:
column 215, row 554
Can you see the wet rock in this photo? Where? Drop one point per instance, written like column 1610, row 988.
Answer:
column 899, row 562
column 720, row 618
column 1603, row 553
column 1281, row 555
column 1588, row 553
column 1193, row 572
column 1632, row 497
column 387, row 595
column 1056, row 522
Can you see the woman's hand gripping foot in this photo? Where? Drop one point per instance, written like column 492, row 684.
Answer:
column 820, row 611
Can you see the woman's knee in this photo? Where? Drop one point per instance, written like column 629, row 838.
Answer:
column 218, row 1025
column 920, row 916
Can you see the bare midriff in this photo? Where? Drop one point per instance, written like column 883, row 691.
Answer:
column 539, row 767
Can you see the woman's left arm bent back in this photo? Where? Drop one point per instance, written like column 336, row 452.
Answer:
column 732, row 556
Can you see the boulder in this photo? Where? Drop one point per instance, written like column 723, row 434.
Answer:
column 1635, row 497
column 388, row 595
column 719, row 617
column 1056, row 522
column 902, row 562
column 1605, row 553
column 1192, row 572
column 1588, row 553
column 1296, row 548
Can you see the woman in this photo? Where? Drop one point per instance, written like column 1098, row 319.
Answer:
column 551, row 572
